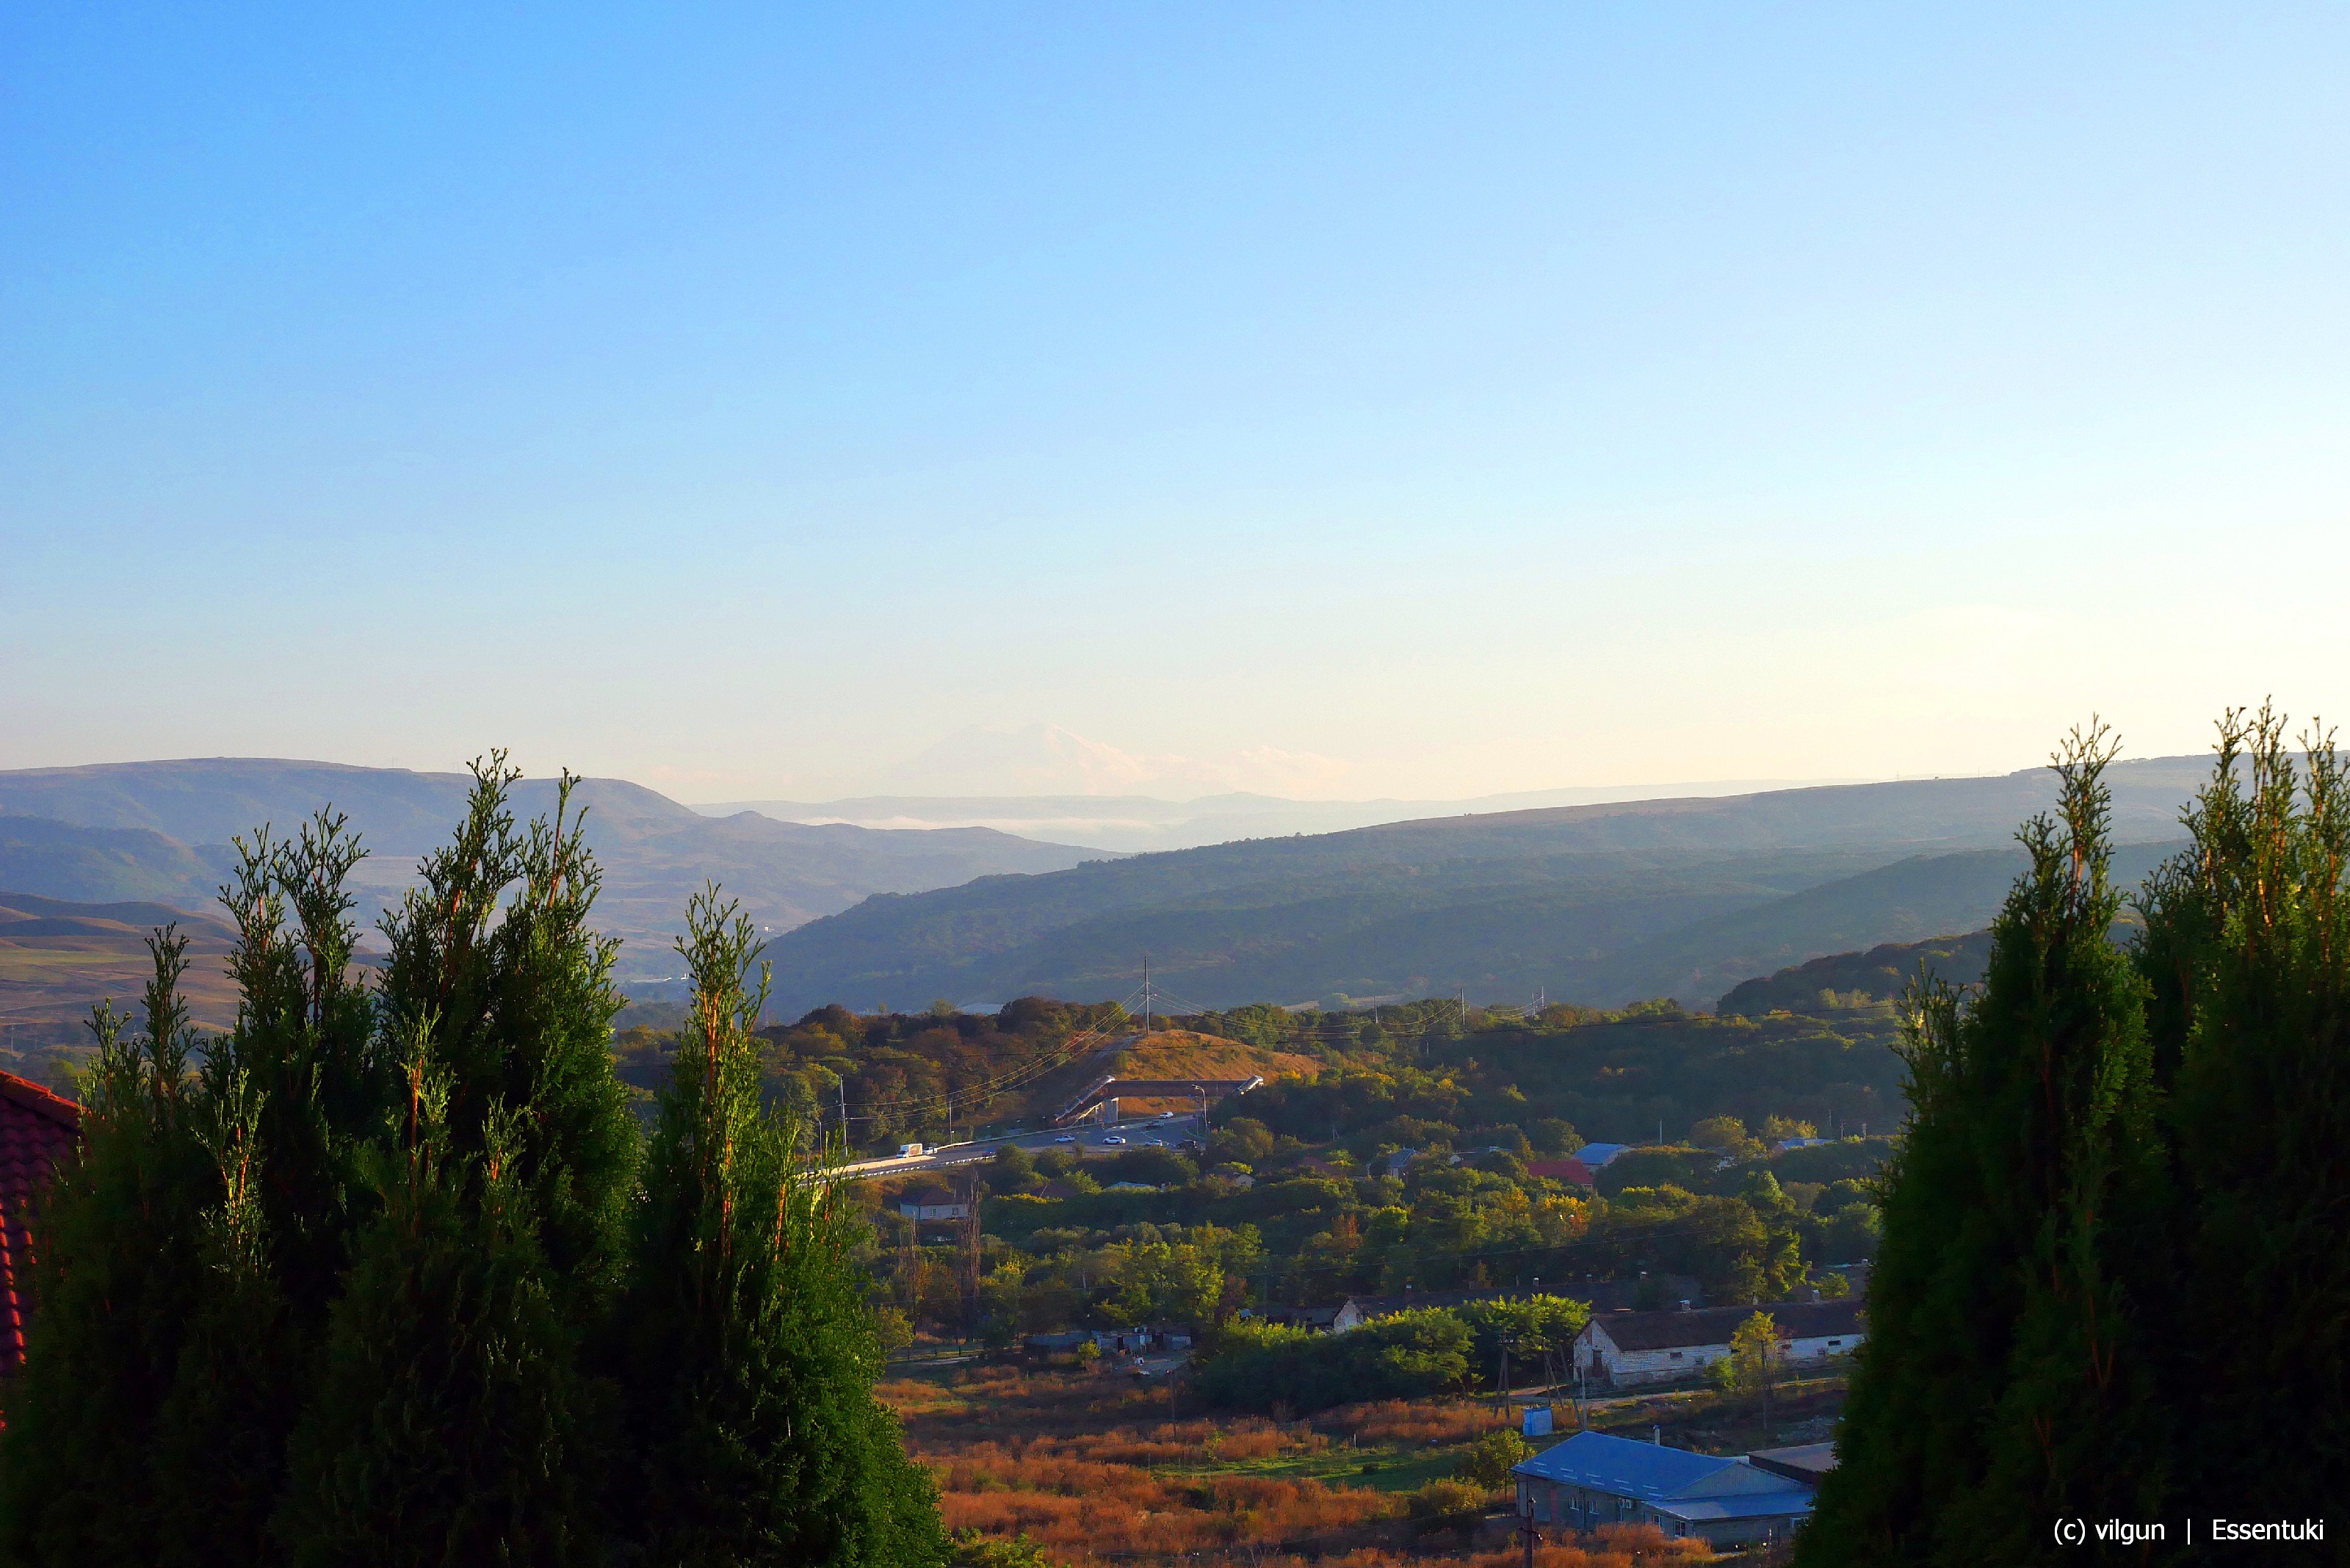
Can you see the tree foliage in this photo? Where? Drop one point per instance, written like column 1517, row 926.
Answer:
column 372, row 1279
column 2110, row 1247
column 751, row 1356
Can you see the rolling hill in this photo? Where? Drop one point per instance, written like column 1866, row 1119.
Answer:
column 1880, row 974
column 1601, row 904
column 160, row 831
column 57, row 957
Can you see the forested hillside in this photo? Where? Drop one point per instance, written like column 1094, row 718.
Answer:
column 1855, row 980
column 1491, row 908
column 1416, row 1156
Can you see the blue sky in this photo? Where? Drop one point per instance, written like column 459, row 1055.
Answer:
column 1338, row 399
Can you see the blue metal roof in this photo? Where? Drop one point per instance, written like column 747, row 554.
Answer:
column 1620, row 1467
column 1739, row 1505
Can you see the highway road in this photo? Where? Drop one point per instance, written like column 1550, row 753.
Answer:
column 1139, row 1133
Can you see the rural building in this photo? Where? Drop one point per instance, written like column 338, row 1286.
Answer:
column 1808, row 1463
column 1593, row 1479
column 1319, row 1317
column 1596, row 1154
column 1624, row 1348
column 934, row 1205
column 37, row 1129
column 1647, row 1293
column 1573, row 1172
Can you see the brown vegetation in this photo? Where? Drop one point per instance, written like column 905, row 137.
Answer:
column 1091, row 1467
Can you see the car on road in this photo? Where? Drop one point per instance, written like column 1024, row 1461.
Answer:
column 1109, row 1142
column 1065, row 1137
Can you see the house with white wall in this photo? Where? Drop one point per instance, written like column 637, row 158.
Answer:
column 1623, row 1349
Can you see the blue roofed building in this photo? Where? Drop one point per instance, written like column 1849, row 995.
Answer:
column 1593, row 1479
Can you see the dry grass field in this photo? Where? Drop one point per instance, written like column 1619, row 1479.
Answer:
column 56, row 959
column 1181, row 1053
column 1094, row 1467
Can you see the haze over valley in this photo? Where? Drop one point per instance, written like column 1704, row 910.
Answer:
column 1599, row 903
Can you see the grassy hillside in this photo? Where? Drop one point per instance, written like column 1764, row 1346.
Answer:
column 81, row 864
column 1188, row 1053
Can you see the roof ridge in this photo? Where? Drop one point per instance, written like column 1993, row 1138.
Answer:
column 40, row 1101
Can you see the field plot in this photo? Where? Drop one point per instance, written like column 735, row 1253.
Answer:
column 1092, row 1466
column 58, row 958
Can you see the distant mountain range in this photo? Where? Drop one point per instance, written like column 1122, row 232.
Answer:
column 1600, row 904
column 161, row 831
column 1140, row 821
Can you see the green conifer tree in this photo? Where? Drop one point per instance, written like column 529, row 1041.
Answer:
column 517, row 994
column 752, row 1354
column 116, row 1278
column 2248, row 949
column 2005, row 1381
column 447, row 1426
column 456, row 1415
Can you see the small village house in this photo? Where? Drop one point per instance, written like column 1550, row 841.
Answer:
column 1624, row 1349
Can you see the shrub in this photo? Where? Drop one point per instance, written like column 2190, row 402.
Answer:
column 1446, row 1504
column 1488, row 1459
column 1253, row 1366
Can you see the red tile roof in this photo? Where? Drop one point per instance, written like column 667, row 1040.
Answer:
column 1570, row 1170
column 37, row 1130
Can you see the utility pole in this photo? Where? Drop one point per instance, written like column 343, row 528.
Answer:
column 1146, row 993
column 969, row 1237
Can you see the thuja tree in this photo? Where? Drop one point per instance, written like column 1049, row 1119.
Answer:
column 2007, row 1379
column 750, row 1351
column 377, row 1281
column 457, row 1419
column 185, row 1274
column 117, row 1276
column 2247, row 951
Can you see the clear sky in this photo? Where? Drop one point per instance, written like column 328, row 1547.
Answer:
column 1359, row 401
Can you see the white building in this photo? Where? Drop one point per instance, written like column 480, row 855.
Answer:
column 1626, row 1348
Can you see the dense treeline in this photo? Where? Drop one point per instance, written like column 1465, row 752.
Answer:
column 1411, row 1354
column 1155, row 1236
column 376, row 1279
column 1424, row 1073
column 900, row 1077
column 2112, row 1285
column 1417, row 1074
